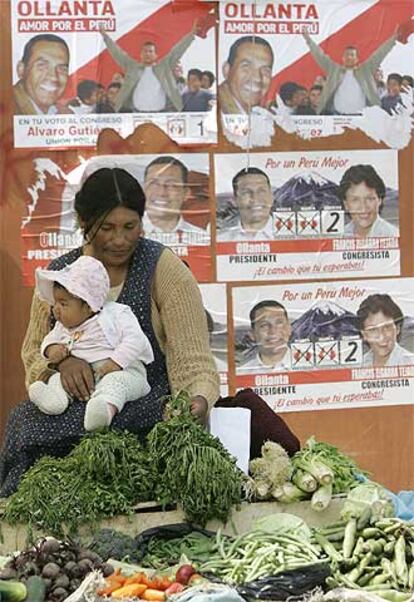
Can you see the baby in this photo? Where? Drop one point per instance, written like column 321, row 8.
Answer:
column 104, row 333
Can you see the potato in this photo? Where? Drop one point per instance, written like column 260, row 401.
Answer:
column 51, row 570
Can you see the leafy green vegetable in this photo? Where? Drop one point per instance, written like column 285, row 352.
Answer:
column 193, row 467
column 369, row 500
column 195, row 546
column 105, row 475
column 109, row 543
column 328, row 465
column 108, row 473
column 283, row 522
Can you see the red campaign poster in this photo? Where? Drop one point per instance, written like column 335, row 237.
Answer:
column 316, row 68
column 79, row 67
column 177, row 207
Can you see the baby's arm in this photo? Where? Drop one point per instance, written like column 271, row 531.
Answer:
column 53, row 347
column 134, row 345
column 56, row 352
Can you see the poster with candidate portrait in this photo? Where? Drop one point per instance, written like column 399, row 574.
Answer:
column 319, row 346
column 311, row 68
column 81, row 67
column 215, row 304
column 177, row 210
column 308, row 215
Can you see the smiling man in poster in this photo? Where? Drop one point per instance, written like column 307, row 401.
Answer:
column 150, row 83
column 43, row 74
column 253, row 198
column 166, row 190
column 350, row 87
column 247, row 75
column 270, row 330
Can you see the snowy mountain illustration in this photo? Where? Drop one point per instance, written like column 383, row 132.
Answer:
column 47, row 172
column 307, row 189
column 325, row 319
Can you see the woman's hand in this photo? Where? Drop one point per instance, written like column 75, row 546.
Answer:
column 199, row 407
column 107, row 367
column 77, row 378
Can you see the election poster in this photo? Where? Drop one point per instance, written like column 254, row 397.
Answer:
column 319, row 346
column 312, row 68
column 215, row 304
column 82, row 66
column 177, row 209
column 307, row 215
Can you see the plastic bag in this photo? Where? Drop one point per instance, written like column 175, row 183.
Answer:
column 285, row 585
column 208, row 592
column 342, row 594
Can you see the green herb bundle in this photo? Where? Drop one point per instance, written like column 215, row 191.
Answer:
column 194, row 468
column 108, row 473
column 105, row 475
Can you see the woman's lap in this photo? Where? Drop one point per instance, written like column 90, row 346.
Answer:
column 31, row 434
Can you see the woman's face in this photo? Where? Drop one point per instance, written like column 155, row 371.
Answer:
column 380, row 332
column 114, row 240
column 363, row 205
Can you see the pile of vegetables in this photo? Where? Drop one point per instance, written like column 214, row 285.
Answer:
column 316, row 472
column 108, row 473
column 105, row 475
column 161, row 553
column 193, row 468
column 370, row 549
column 125, row 583
column 260, row 553
column 51, row 569
column 378, row 558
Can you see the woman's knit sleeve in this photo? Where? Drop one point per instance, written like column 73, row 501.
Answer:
column 35, row 366
column 190, row 363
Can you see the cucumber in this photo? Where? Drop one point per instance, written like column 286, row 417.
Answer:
column 36, row 589
column 12, row 591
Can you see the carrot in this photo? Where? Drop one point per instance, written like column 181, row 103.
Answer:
column 112, row 583
column 109, row 588
column 129, row 591
column 136, row 578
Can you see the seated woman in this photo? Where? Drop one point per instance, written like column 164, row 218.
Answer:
column 165, row 298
